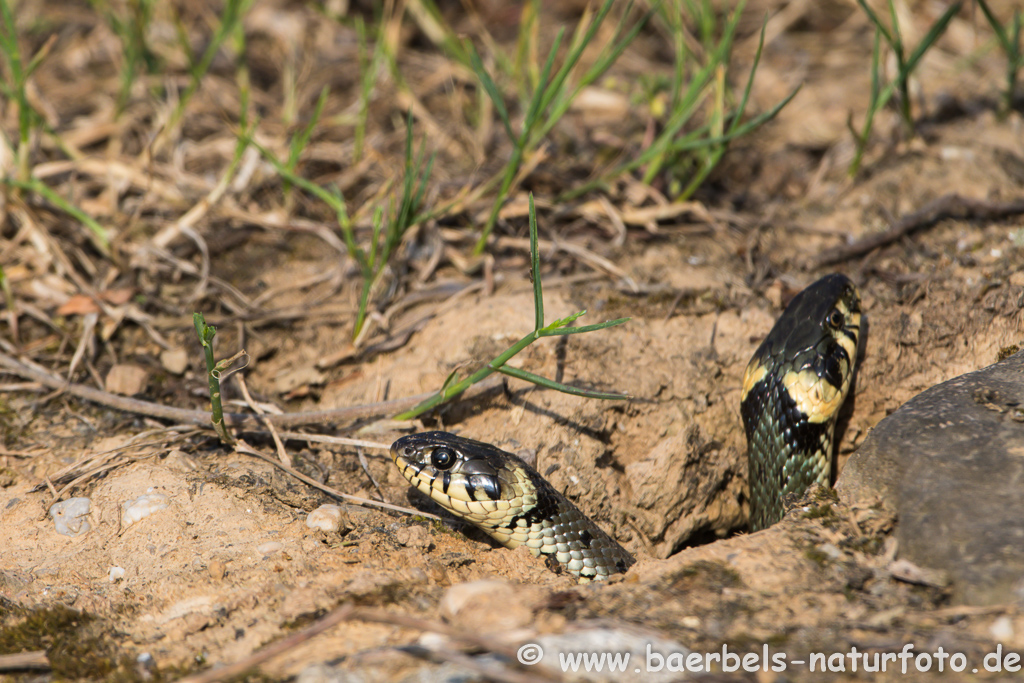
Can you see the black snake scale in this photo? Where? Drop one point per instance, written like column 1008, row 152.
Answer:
column 792, row 390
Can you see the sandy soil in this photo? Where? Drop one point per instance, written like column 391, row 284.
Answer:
column 230, row 565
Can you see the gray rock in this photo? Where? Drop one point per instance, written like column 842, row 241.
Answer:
column 950, row 463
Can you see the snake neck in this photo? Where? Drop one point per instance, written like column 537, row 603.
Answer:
column 787, row 454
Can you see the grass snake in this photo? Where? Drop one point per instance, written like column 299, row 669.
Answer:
column 792, row 390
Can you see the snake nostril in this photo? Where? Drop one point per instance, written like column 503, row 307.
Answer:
column 408, row 450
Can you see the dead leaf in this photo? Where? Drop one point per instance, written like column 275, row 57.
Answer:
column 117, row 296
column 79, row 304
column 82, row 304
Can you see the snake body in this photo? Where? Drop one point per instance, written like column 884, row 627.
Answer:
column 792, row 390
column 509, row 500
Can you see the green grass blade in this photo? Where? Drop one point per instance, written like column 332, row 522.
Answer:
column 559, row 327
column 1011, row 46
column 719, row 150
column 573, row 56
column 519, row 144
column 18, row 83
column 738, row 131
column 100, row 234
column 877, row 22
column 368, row 67
column 750, row 80
column 538, row 295
column 450, row 381
column 929, row 39
column 537, row 102
column 897, row 37
column 492, row 90
column 558, row 386
column 522, row 66
column 378, row 224
column 997, row 27
column 580, row 330
column 654, row 156
column 445, row 394
column 598, row 69
column 234, row 10
column 414, row 186
column 301, row 139
column 874, row 105
column 333, row 199
column 431, row 22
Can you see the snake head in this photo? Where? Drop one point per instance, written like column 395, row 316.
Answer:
column 812, row 350
column 458, row 473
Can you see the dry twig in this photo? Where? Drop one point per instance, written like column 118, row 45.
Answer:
column 336, row 417
column 243, row 447
column 947, row 206
column 25, row 660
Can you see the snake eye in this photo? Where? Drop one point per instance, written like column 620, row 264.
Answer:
column 836, row 319
column 442, row 458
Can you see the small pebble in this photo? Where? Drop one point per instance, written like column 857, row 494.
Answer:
column 325, row 673
column 116, row 574
column 326, row 518
column 459, row 596
column 180, row 461
column 832, row 551
column 413, row 537
column 69, row 516
column 269, row 548
column 145, row 665
column 126, row 379
column 174, row 360
column 435, row 641
column 1002, row 629
column 142, row 507
column 217, row 569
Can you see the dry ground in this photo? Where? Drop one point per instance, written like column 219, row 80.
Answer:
column 230, row 565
